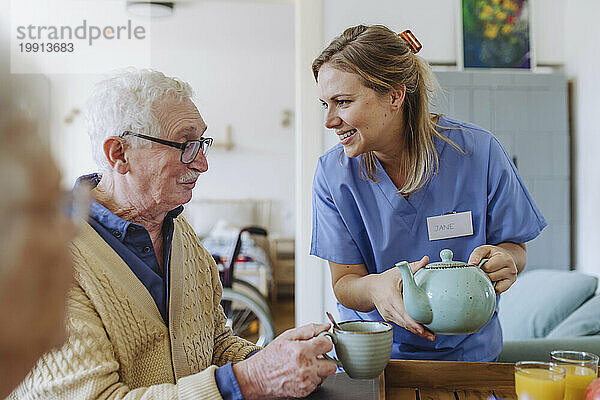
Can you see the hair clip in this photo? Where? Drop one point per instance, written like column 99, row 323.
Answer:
column 412, row 41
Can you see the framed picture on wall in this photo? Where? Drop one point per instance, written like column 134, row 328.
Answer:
column 495, row 34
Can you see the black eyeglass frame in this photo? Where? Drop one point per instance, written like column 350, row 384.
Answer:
column 177, row 145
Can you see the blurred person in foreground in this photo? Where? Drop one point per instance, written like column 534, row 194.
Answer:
column 144, row 318
column 35, row 267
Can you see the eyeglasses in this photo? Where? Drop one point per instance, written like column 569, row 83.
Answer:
column 189, row 149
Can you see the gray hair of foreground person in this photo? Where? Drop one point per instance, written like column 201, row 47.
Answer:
column 123, row 102
column 15, row 184
column 35, row 267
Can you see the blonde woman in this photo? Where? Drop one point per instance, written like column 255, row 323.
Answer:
column 396, row 166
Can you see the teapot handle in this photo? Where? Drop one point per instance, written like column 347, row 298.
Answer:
column 483, row 261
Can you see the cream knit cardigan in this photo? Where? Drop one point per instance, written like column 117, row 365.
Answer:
column 118, row 345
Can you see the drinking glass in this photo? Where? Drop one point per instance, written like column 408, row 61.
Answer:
column 582, row 368
column 536, row 380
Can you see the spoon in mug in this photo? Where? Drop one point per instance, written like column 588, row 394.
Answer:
column 335, row 324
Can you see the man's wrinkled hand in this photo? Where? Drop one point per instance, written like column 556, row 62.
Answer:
column 290, row 366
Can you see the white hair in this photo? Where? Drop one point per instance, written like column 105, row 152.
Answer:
column 123, row 102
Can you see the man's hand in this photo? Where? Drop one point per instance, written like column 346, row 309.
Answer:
column 290, row 366
column 386, row 293
column 500, row 267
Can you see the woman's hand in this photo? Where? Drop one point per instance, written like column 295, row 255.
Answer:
column 501, row 267
column 386, row 294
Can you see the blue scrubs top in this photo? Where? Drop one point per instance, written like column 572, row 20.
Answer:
column 357, row 221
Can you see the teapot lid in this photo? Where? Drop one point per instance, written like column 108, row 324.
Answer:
column 447, row 262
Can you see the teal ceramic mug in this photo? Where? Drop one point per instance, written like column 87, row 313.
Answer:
column 363, row 348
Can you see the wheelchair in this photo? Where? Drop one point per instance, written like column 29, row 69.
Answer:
column 248, row 313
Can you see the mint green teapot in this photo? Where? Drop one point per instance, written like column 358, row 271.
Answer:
column 448, row 297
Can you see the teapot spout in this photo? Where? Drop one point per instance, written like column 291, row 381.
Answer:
column 415, row 299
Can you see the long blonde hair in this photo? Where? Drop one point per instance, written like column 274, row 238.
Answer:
column 384, row 62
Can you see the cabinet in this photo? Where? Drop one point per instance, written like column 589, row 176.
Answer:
column 528, row 113
column 283, row 264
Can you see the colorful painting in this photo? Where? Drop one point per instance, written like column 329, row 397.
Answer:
column 496, row 34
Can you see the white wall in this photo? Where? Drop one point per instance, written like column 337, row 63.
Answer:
column 239, row 58
column 313, row 291
column 434, row 24
column 582, row 60
column 432, row 21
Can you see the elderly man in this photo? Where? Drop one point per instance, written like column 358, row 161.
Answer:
column 144, row 319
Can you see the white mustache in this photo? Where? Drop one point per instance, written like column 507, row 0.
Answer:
column 190, row 177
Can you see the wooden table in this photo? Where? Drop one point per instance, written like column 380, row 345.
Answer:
column 426, row 380
column 449, row 380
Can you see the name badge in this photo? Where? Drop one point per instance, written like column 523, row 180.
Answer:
column 450, row 225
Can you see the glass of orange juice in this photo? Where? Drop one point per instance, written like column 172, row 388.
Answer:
column 582, row 368
column 536, row 380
